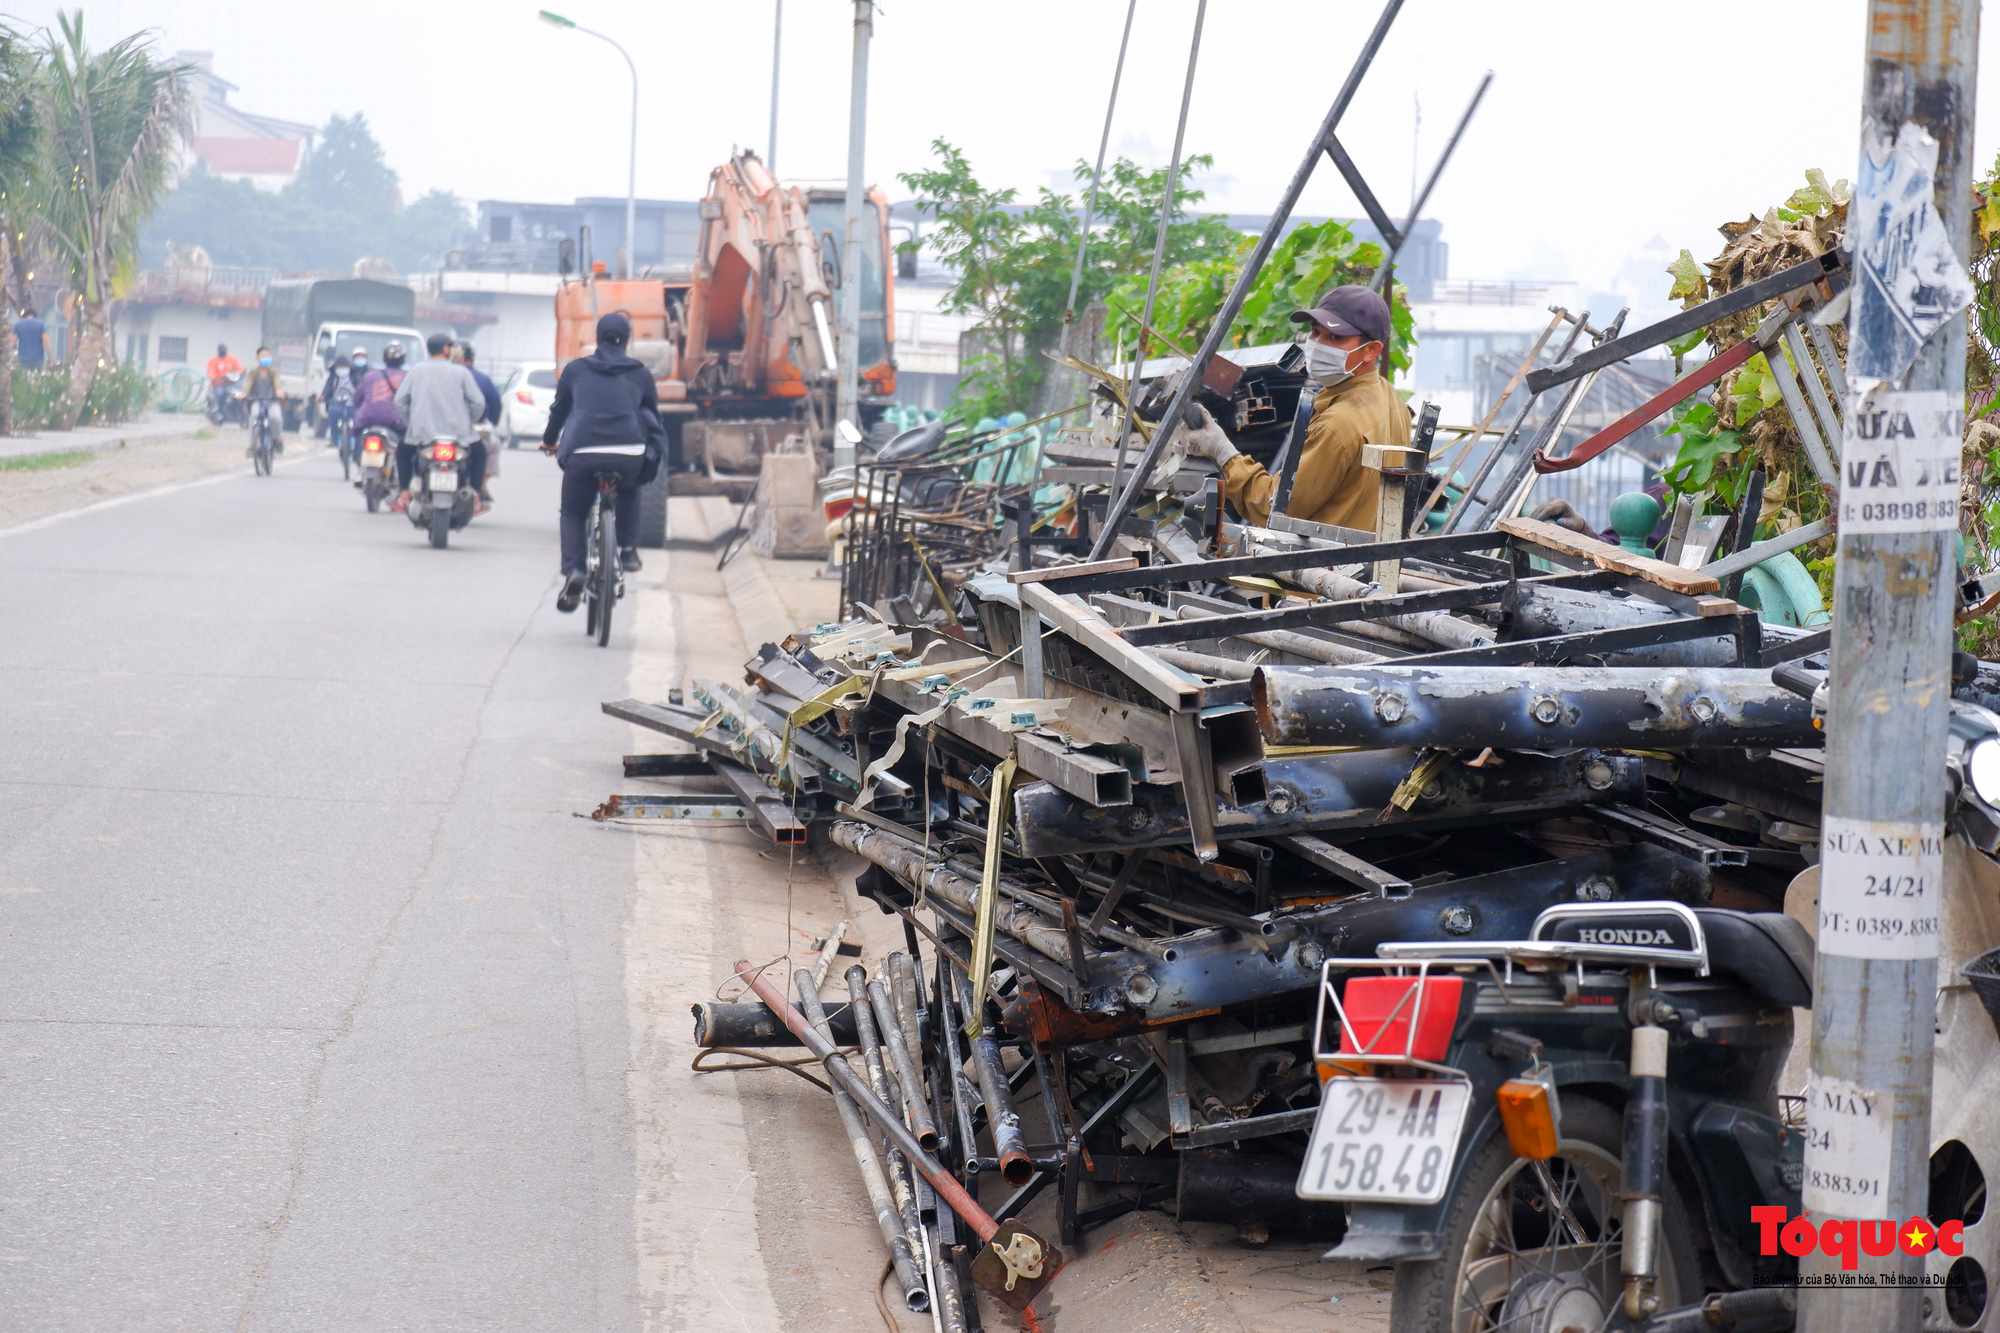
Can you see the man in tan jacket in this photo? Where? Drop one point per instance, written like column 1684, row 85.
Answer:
column 1348, row 331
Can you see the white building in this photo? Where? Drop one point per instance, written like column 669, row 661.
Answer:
column 233, row 143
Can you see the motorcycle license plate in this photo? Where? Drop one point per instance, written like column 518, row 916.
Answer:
column 1385, row 1140
column 443, row 481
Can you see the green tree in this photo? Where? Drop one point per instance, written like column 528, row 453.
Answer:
column 1014, row 261
column 346, row 172
column 343, row 206
column 19, row 69
column 111, row 123
column 1302, row 266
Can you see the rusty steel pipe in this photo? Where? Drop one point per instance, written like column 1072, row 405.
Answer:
column 901, row 1188
column 1030, row 1264
column 915, row 1294
column 1010, row 1146
column 916, row 1110
column 1534, row 708
column 863, row 1096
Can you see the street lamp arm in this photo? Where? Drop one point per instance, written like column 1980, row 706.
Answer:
column 632, row 153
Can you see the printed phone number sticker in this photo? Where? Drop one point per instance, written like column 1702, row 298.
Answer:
column 1899, row 458
column 1849, row 1131
column 1878, row 888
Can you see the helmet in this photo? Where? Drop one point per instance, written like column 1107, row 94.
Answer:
column 393, row 354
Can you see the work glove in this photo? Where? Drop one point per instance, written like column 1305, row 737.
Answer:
column 1204, row 439
column 1563, row 514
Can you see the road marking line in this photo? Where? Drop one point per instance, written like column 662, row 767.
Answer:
column 50, row 520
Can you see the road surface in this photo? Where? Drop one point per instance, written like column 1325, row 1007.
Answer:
column 321, row 1009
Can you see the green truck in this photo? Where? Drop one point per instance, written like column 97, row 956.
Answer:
column 309, row 321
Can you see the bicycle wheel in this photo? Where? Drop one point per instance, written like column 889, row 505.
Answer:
column 590, row 600
column 607, row 570
column 261, row 455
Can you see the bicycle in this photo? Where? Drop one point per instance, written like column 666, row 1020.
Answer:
column 604, row 582
column 346, row 442
column 260, row 442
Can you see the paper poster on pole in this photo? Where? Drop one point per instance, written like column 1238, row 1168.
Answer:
column 1879, row 884
column 1907, row 278
column 1849, row 1138
column 1899, row 463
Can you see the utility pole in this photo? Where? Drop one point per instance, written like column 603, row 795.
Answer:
column 848, row 408
column 777, row 45
column 1868, row 1113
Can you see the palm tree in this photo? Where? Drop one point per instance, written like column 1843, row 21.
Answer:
column 18, row 68
column 111, row 123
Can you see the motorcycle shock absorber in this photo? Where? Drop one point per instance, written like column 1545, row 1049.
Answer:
column 1645, row 1164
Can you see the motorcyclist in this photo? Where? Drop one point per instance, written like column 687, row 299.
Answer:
column 440, row 401
column 611, row 409
column 336, row 396
column 491, row 416
column 375, row 398
column 265, row 399
column 220, row 367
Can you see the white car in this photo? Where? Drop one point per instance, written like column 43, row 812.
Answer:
column 524, row 403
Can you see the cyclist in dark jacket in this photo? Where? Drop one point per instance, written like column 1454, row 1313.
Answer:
column 605, row 421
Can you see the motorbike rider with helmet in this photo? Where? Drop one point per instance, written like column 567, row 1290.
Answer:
column 611, row 409
column 441, row 402
column 265, row 398
column 375, row 403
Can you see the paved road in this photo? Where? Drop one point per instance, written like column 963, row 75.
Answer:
column 311, row 1009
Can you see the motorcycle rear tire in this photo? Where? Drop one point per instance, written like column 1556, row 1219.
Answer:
column 1425, row 1293
column 371, row 492
column 440, row 525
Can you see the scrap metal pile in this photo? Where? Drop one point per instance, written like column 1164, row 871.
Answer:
column 1134, row 804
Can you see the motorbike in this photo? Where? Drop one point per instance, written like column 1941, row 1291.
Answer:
column 229, row 410
column 375, row 462
column 1572, row 1129
column 1499, row 1120
column 440, row 501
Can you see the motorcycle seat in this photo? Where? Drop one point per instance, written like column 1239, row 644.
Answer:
column 1769, row 953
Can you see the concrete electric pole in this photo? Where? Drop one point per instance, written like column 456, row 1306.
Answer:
column 848, row 409
column 1881, row 862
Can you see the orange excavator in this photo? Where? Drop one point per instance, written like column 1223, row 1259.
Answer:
column 744, row 346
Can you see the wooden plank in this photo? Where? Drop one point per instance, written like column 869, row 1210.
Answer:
column 1114, row 565
column 1605, row 556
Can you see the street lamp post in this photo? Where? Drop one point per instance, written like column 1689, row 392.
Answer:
column 632, row 150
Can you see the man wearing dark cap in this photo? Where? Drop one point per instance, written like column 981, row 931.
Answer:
column 605, row 421
column 1347, row 332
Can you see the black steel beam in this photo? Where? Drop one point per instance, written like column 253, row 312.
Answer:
column 1392, row 235
column 1687, row 321
column 1791, row 650
column 1522, row 652
column 1358, row 608
column 1315, row 557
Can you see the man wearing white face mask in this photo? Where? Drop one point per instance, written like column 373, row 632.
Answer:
column 1347, row 332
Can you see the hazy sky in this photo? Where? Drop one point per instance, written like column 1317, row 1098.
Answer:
column 1608, row 122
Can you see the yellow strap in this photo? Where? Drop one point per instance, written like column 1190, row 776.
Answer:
column 989, row 895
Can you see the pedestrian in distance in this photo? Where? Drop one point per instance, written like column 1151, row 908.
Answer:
column 31, row 340
column 605, row 420
column 441, row 402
